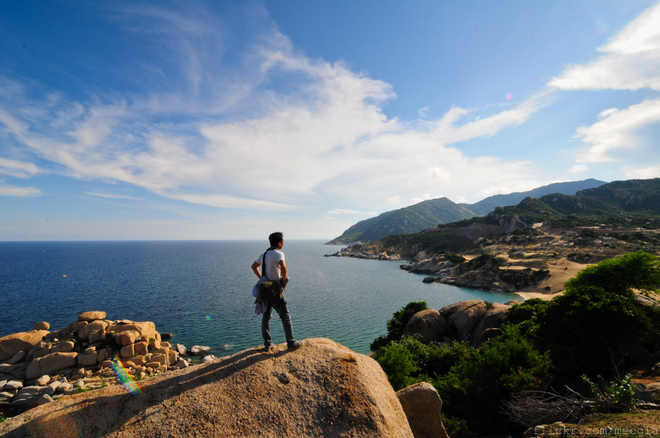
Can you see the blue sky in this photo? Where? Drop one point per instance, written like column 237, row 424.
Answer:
column 229, row 120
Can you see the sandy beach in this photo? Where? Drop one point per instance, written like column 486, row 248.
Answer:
column 560, row 271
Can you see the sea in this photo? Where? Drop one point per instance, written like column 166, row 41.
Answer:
column 201, row 291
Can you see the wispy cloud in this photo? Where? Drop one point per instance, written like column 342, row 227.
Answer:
column 630, row 60
column 113, row 196
column 18, row 169
column 18, row 191
column 616, row 131
column 278, row 133
column 345, row 211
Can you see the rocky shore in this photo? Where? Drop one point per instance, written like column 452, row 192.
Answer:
column 532, row 261
column 40, row 366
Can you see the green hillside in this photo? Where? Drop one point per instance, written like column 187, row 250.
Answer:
column 489, row 204
column 433, row 212
column 640, row 196
column 405, row 220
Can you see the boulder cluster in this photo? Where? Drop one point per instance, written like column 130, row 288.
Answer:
column 474, row 321
column 40, row 366
column 484, row 272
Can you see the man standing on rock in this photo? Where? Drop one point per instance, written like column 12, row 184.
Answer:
column 274, row 268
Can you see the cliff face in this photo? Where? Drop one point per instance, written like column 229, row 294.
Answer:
column 321, row 389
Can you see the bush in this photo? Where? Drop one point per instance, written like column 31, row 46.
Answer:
column 526, row 316
column 478, row 384
column 397, row 324
column 399, row 364
column 588, row 328
column 455, row 258
column 620, row 392
column 585, row 326
column 638, row 270
column 408, row 361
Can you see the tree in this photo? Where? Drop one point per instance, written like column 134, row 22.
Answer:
column 589, row 327
column 397, row 324
column 638, row 270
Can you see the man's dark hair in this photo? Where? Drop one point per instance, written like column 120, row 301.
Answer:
column 275, row 238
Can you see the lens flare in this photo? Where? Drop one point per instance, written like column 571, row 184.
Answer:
column 126, row 380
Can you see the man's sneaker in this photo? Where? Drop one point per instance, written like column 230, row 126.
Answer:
column 292, row 345
column 269, row 347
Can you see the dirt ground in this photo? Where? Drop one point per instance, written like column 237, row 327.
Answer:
column 561, row 271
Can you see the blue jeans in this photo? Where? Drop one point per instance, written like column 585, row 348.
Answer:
column 282, row 310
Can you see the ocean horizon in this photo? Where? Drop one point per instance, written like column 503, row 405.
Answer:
column 201, row 290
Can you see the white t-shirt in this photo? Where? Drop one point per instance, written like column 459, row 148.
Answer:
column 272, row 268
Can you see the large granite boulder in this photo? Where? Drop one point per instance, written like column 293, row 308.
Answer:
column 492, row 319
column 320, row 389
column 473, row 321
column 50, row 364
column 430, row 324
column 92, row 315
column 463, row 317
column 10, row 345
column 422, row 405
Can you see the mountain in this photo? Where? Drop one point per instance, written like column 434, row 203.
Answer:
column 433, row 212
column 405, row 220
column 623, row 213
column 487, row 205
column 618, row 202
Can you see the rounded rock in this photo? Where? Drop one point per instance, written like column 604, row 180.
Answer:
column 41, row 325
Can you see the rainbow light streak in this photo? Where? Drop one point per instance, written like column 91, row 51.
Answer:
column 126, row 380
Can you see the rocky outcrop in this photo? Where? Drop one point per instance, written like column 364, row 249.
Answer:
column 422, row 405
column 40, row 366
column 320, row 389
column 474, row 321
column 485, row 272
column 365, row 251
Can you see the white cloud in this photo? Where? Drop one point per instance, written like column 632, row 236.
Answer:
column 616, row 130
column 578, row 168
column 630, row 60
column 18, row 169
column 344, row 211
column 644, row 173
column 18, row 191
column 325, row 137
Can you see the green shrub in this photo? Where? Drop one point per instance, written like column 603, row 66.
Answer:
column 587, row 325
column 397, row 324
column 620, row 392
column 455, row 258
column 476, row 386
column 408, row 361
column 526, row 316
column 399, row 365
column 456, row 427
column 638, row 270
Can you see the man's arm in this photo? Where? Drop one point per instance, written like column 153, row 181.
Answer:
column 255, row 269
column 283, row 270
